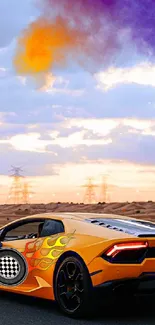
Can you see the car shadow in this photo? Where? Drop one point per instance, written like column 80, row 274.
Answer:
column 137, row 311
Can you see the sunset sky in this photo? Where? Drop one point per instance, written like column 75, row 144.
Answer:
column 84, row 125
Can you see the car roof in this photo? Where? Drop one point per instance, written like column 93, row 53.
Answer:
column 70, row 215
column 76, row 219
column 62, row 216
column 77, row 215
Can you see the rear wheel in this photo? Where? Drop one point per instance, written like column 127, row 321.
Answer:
column 73, row 287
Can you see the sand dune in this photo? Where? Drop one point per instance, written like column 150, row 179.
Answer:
column 141, row 210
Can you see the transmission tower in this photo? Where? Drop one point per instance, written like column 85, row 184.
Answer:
column 90, row 195
column 104, row 194
column 15, row 193
column 26, row 193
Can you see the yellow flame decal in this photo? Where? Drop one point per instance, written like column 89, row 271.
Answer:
column 42, row 253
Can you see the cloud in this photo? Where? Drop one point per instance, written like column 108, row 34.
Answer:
column 32, row 141
column 135, row 148
column 77, row 140
column 98, row 126
column 103, row 127
column 51, row 84
column 137, row 124
column 141, row 74
column 74, row 95
column 75, row 158
column 35, row 163
column 73, row 133
column 46, row 82
column 27, row 142
column 65, row 91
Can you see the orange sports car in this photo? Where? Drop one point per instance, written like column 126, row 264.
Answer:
column 71, row 257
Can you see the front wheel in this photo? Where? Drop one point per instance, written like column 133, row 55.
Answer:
column 73, row 287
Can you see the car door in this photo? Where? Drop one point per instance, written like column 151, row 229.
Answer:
column 36, row 256
column 18, row 245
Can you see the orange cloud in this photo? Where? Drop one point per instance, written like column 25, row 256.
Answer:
column 45, row 44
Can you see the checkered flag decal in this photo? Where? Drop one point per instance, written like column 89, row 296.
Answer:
column 13, row 268
column 9, row 267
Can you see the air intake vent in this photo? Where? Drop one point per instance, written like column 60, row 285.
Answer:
column 105, row 224
column 129, row 226
column 94, row 221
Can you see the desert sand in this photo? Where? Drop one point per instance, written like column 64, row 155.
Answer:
column 139, row 210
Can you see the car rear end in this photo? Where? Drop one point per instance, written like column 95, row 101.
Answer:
column 125, row 265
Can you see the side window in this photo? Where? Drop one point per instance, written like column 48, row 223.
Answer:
column 51, row 227
column 26, row 230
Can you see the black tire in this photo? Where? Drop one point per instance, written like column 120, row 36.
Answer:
column 73, row 288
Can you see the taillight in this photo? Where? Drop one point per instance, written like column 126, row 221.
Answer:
column 115, row 249
column 126, row 252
